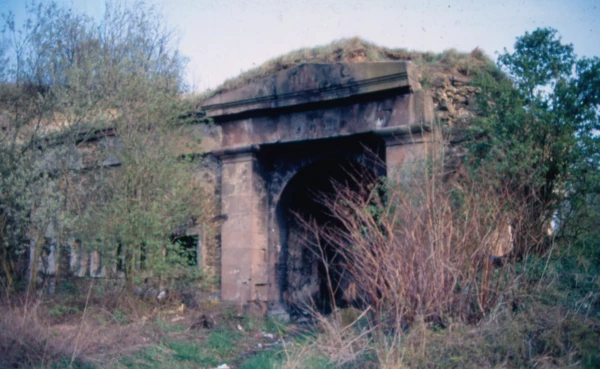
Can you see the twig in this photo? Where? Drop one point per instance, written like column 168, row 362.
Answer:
column 81, row 324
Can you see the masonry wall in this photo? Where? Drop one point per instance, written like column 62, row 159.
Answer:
column 61, row 253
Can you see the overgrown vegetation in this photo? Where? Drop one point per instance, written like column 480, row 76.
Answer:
column 69, row 79
column 357, row 50
column 438, row 271
column 107, row 330
column 537, row 133
column 466, row 272
column 423, row 249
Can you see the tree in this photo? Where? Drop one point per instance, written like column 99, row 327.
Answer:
column 137, row 208
column 67, row 76
column 31, row 105
column 538, row 128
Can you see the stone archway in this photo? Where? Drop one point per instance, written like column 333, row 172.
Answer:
column 270, row 129
column 304, row 279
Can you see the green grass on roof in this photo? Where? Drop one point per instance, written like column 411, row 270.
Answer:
column 357, row 50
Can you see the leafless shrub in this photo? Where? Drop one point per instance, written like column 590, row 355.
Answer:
column 421, row 248
column 337, row 342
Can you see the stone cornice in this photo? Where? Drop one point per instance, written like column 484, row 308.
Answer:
column 313, row 83
column 324, row 93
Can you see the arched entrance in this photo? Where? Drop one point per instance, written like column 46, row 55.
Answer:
column 313, row 272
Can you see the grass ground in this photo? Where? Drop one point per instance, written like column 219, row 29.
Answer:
column 550, row 319
column 108, row 330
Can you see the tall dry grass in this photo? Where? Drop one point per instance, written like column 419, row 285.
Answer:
column 428, row 251
column 337, row 343
column 37, row 334
column 424, row 248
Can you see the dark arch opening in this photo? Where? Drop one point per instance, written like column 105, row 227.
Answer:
column 305, row 280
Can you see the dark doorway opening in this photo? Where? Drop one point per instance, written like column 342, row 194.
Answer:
column 313, row 274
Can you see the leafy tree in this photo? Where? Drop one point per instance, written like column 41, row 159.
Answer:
column 66, row 76
column 538, row 128
column 30, row 107
column 137, row 208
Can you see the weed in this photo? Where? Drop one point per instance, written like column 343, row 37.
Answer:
column 274, row 324
column 67, row 364
column 264, row 360
column 317, row 362
column 68, row 286
column 189, row 351
column 59, row 311
column 253, row 323
column 169, row 327
column 221, row 342
column 153, row 357
column 120, row 317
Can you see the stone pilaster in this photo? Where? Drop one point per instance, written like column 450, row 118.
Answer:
column 406, row 153
column 244, row 236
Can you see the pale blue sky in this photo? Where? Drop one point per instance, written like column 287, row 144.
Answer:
column 223, row 38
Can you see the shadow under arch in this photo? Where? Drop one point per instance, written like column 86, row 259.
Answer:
column 305, row 279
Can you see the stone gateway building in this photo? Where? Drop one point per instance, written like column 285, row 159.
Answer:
column 283, row 139
column 274, row 145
